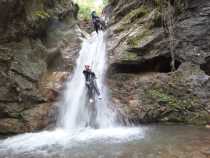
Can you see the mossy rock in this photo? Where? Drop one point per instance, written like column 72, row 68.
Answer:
column 120, row 29
column 129, row 56
column 135, row 40
column 184, row 110
column 40, row 15
column 136, row 14
column 170, row 100
column 178, row 5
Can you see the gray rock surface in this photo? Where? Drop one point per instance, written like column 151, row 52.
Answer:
column 38, row 39
column 144, row 89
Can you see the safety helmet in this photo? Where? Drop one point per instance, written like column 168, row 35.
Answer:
column 87, row 66
column 93, row 13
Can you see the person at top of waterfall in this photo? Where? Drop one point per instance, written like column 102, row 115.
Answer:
column 90, row 78
column 96, row 21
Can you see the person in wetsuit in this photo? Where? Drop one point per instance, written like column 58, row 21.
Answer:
column 90, row 81
column 96, row 21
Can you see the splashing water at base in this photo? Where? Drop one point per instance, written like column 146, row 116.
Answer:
column 150, row 142
column 73, row 140
column 72, row 130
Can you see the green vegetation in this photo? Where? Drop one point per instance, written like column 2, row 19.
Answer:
column 40, row 14
column 132, row 17
column 87, row 6
column 129, row 56
column 170, row 100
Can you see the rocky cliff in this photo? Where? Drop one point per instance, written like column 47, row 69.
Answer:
column 159, row 57
column 38, row 44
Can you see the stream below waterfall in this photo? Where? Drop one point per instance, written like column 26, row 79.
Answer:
column 159, row 141
column 74, row 139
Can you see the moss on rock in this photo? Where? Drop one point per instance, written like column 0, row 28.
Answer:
column 129, row 56
column 41, row 14
column 170, row 100
column 135, row 40
column 178, row 109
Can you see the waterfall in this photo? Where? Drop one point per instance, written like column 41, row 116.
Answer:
column 72, row 129
column 74, row 107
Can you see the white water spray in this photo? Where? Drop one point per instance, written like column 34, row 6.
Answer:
column 72, row 130
column 74, row 112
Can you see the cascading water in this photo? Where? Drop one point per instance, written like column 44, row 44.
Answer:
column 74, row 112
column 72, row 139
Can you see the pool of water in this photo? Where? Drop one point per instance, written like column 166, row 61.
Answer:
column 159, row 141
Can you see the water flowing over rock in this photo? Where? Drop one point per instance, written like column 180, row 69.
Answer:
column 76, row 111
column 144, row 88
column 76, row 125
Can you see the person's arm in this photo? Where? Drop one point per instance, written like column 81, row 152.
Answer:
column 94, row 75
column 85, row 74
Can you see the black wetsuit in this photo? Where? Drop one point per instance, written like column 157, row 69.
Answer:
column 96, row 22
column 90, row 78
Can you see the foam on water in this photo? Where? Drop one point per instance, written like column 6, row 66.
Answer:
column 74, row 114
column 39, row 141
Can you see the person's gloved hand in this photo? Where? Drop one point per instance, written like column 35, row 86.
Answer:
column 99, row 97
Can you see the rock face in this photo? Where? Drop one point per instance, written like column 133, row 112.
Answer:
column 38, row 38
column 142, row 43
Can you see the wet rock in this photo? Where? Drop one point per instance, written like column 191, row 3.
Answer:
column 54, row 84
column 137, row 41
column 39, row 117
column 34, row 38
column 12, row 126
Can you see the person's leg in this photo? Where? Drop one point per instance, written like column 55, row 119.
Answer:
column 89, row 91
column 96, row 88
column 96, row 27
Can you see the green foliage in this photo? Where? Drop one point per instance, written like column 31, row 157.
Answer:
column 105, row 2
column 84, row 12
column 87, row 6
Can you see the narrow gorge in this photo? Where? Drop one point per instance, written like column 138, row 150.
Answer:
column 152, row 68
